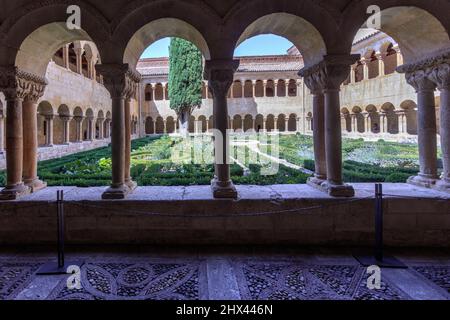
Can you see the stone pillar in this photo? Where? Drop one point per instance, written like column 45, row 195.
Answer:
column 311, row 81
column 380, row 58
column 287, row 87
column 254, row 88
column 15, row 85
column 128, row 181
column 286, row 125
column 30, row 136
column 90, row 129
column 399, row 55
column 275, row 84
column 264, row 124
column 440, row 75
column 49, row 133
column 275, row 120
column 66, row 129
column 402, row 124
column 220, row 74
column 367, row 122
column 353, row 74
column 79, row 54
column 330, row 74
column 101, row 124
column 384, row 122
column 427, row 129
column 79, row 129
column 265, row 88
column 365, row 64
column 2, row 132
column 66, row 61
column 298, row 125
column 119, row 80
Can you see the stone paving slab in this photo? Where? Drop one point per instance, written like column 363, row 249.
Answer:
column 148, row 275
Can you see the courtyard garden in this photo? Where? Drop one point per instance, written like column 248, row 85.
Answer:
column 174, row 161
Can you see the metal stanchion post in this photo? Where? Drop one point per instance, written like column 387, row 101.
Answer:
column 379, row 258
column 61, row 266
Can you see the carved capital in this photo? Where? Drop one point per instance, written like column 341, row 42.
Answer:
column 440, row 75
column 220, row 75
column 420, row 81
column 119, row 79
column 19, row 84
column 330, row 73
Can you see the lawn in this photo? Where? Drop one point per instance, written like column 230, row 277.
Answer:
column 171, row 161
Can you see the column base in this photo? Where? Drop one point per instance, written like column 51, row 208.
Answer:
column 35, row 185
column 316, row 182
column 338, row 190
column 427, row 181
column 131, row 185
column 443, row 185
column 116, row 192
column 224, row 190
column 14, row 192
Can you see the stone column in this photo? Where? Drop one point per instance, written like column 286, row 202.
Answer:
column 402, row 125
column 49, row 132
column 287, row 87
column 384, row 122
column 330, row 74
column 90, row 129
column 119, row 80
column 66, row 61
column 365, row 64
column 15, row 85
column 264, row 124
column 128, row 181
column 79, row 54
column 2, row 132
column 286, row 125
column 298, row 125
column 66, row 129
column 275, row 120
column 220, row 75
column 101, row 123
column 427, row 128
column 275, row 84
column 399, row 55
column 440, row 75
column 353, row 74
column 380, row 58
column 312, row 82
column 165, row 126
column 30, row 136
column 265, row 88
column 367, row 123
column 254, row 88
column 79, row 129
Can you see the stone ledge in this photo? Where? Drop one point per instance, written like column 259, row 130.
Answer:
column 200, row 219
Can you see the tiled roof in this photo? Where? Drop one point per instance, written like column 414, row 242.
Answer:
column 160, row 66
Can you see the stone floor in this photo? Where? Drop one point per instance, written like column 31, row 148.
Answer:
column 224, row 274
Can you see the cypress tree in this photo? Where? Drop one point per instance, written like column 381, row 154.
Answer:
column 185, row 80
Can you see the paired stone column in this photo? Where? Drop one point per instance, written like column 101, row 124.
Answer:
column 101, row 129
column 49, row 130
column 66, row 129
column 330, row 74
column 313, row 83
column 30, row 136
column 440, row 75
column 2, row 132
column 220, row 74
column 119, row 80
column 79, row 129
column 17, row 86
column 79, row 56
column 427, row 129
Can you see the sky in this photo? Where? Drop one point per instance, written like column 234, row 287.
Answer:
column 257, row 46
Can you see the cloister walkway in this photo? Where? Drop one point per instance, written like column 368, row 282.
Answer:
column 252, row 273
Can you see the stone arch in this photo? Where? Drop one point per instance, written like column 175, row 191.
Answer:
column 410, row 108
column 417, row 29
column 202, row 123
column 270, row 123
column 237, row 89
column 281, row 124
column 248, row 123
column 170, row 123
column 281, row 88
column 347, row 119
column 373, row 119
column 292, row 124
column 45, row 111
column 237, row 123
column 391, row 118
column 159, row 128
column 32, row 36
column 248, row 89
column 259, row 123
column 149, row 126
column 259, row 90
column 159, row 92
column 145, row 33
column 302, row 33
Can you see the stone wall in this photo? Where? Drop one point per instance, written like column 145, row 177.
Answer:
column 275, row 215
